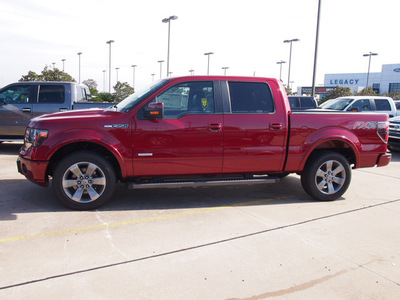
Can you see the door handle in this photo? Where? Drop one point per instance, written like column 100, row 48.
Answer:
column 26, row 110
column 215, row 127
column 275, row 126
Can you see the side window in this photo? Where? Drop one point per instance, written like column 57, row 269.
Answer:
column 251, row 97
column 51, row 94
column 81, row 94
column 361, row 105
column 187, row 98
column 15, row 94
column 382, row 104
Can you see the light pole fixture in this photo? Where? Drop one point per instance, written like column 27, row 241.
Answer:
column 316, row 50
column 191, row 72
column 369, row 64
column 54, row 65
column 63, row 60
column 168, row 20
column 133, row 78
column 208, row 64
column 160, row 62
column 225, row 68
column 79, row 54
column 152, row 76
column 290, row 56
column 109, row 66
column 280, row 72
column 117, row 68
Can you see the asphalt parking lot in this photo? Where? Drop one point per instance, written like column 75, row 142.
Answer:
column 245, row 242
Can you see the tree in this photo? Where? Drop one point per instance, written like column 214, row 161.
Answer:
column 338, row 92
column 122, row 90
column 48, row 74
column 367, row 92
column 104, row 97
column 92, row 85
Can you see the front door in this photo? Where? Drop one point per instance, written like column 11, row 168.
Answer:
column 188, row 140
column 15, row 110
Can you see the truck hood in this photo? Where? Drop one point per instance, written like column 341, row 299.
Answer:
column 80, row 113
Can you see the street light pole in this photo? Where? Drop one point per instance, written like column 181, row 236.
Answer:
column 117, row 68
column 152, row 76
column 63, row 60
column 109, row 66
column 208, row 64
column 225, row 68
column 168, row 20
column 191, row 72
column 79, row 54
column 290, row 56
column 316, row 51
column 369, row 64
column 104, row 81
column 280, row 72
column 160, row 62
column 133, row 79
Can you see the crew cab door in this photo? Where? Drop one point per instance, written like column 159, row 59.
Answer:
column 187, row 140
column 15, row 110
column 51, row 98
column 255, row 128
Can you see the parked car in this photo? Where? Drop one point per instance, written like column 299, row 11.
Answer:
column 22, row 101
column 397, row 103
column 302, row 102
column 200, row 130
column 394, row 134
column 363, row 104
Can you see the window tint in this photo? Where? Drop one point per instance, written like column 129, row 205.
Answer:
column 188, row 98
column 382, row 104
column 361, row 105
column 251, row 97
column 15, row 94
column 51, row 94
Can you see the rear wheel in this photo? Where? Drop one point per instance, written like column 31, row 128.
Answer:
column 84, row 180
column 326, row 176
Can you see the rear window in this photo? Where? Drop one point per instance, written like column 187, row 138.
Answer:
column 251, row 97
column 51, row 94
column 382, row 104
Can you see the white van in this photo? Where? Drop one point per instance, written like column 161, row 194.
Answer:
column 364, row 104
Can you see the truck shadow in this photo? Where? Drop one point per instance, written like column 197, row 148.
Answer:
column 10, row 148
column 21, row 196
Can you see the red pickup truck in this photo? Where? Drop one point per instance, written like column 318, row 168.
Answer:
column 200, row 130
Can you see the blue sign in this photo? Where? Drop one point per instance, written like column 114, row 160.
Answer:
column 345, row 81
column 397, row 70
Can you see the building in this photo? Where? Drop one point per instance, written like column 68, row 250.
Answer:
column 386, row 81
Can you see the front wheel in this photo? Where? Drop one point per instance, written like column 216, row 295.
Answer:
column 84, row 180
column 326, row 176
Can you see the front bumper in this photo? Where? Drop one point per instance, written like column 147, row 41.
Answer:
column 384, row 159
column 34, row 171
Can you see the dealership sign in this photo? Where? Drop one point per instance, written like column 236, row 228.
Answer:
column 344, row 81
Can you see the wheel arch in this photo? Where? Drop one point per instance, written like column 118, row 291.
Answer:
column 67, row 149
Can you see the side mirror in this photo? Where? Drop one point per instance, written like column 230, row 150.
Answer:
column 154, row 111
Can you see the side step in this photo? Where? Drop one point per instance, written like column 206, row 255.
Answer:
column 198, row 183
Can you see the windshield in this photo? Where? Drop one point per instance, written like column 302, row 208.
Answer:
column 338, row 104
column 134, row 99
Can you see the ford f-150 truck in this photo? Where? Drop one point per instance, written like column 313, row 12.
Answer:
column 200, row 130
column 22, row 101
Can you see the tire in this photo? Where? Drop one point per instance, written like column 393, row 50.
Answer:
column 326, row 176
column 84, row 180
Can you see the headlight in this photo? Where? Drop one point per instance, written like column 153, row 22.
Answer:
column 35, row 137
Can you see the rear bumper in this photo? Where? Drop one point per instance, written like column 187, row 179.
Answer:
column 384, row 159
column 34, row 171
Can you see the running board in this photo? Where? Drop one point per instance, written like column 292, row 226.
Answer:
column 198, row 183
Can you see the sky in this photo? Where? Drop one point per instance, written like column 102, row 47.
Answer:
column 245, row 35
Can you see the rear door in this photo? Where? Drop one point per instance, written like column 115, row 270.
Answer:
column 15, row 110
column 255, row 128
column 51, row 98
column 188, row 140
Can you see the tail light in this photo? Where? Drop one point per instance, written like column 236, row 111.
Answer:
column 383, row 131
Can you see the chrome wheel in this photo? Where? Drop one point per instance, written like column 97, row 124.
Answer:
column 330, row 177
column 84, row 182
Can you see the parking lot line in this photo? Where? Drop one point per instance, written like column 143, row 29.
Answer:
column 123, row 223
